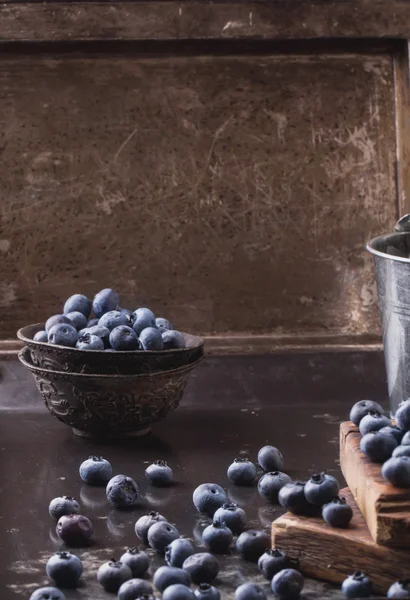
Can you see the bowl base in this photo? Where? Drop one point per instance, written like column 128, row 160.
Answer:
column 130, row 434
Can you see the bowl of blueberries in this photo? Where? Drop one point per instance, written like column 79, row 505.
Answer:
column 108, row 371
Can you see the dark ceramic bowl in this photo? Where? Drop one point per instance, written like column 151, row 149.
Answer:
column 109, row 406
column 60, row 358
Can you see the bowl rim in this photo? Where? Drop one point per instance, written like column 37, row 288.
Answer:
column 31, row 367
column 21, row 334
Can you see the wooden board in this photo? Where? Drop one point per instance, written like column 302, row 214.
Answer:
column 332, row 554
column 386, row 509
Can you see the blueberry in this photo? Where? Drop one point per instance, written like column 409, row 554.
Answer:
column 105, row 301
column 77, row 319
column 271, row 562
column 63, row 505
column 399, row 589
column 178, row 592
column 92, row 322
column 378, row 447
column 373, row 422
column 402, row 416
column 202, row 566
column 287, row 584
column 208, row 497
column 159, row 474
column 144, row 523
column 78, row 303
column 217, row 537
column 242, row 471
column 337, row 513
column 126, row 311
column 47, row 593
column 63, row 334
column 233, row 517
column 292, row 497
column 362, row 408
column 113, row 319
column 137, row 560
column 251, row 544
column 96, row 470
column 163, row 323
column 172, row 339
column 74, row 530
column 271, row 483
column 41, row 336
column 166, row 576
column 151, row 339
column 177, row 551
column 397, row 471
column 406, row 439
column 143, row 318
column 357, row 586
column 270, row 459
column 249, row 591
column 135, row 588
column 122, row 492
column 55, row 320
column 206, row 591
column 321, row 488
column 65, row 569
column 112, row 574
column 101, row 332
column 394, row 431
column 124, row 338
column 86, row 341
column 161, row 534
column 401, row 451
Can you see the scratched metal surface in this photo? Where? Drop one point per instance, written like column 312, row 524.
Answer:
column 232, row 406
column 231, row 194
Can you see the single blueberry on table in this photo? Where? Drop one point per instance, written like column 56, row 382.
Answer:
column 401, row 451
column 402, row 416
column 378, row 447
column 78, row 303
column 135, row 588
column 406, row 439
column 292, row 497
column 178, row 592
column 287, row 584
column 77, row 319
column 101, row 332
column 92, row 322
column 137, row 560
column 362, row 408
column 251, row 544
column 217, row 537
column 394, row 431
column 233, row 516
column 159, row 474
column 65, row 569
column 113, row 319
column 271, row 562
column 161, row 534
column 270, row 484
column 321, row 488
column 242, row 471
column 270, row 458
column 143, row 318
column 206, row 591
column 373, row 422
column 86, row 341
column 112, row 574
column 249, row 591
column 337, row 513
column 151, row 339
column 41, row 336
column 399, row 589
column 74, row 530
column 63, row 334
column 166, row 576
column 163, row 323
column 357, row 586
column 144, row 523
column 124, row 338
column 63, row 505
column 177, row 551
column 172, row 340
column 397, row 471
column 96, row 470
column 55, row 320
column 122, row 492
column 208, row 497
column 105, row 301
column 47, row 593
column 202, row 566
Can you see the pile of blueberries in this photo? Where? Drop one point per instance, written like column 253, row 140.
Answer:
column 111, row 328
